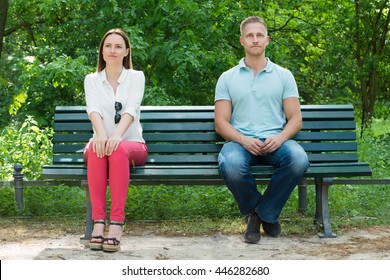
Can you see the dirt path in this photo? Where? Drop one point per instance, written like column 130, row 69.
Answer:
column 372, row 243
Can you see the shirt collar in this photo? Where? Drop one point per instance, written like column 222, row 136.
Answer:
column 121, row 78
column 268, row 68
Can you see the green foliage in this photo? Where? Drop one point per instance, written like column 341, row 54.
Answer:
column 59, row 201
column 28, row 145
column 183, row 47
column 7, row 202
column 373, row 147
column 64, row 76
column 375, row 150
column 357, row 205
column 361, row 204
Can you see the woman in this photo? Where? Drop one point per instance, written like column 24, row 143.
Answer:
column 113, row 96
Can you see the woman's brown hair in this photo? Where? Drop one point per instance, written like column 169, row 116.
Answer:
column 127, row 63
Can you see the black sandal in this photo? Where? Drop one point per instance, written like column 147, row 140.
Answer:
column 97, row 245
column 115, row 245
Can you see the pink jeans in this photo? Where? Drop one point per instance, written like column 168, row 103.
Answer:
column 116, row 169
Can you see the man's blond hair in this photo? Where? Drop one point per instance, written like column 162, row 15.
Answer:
column 252, row 19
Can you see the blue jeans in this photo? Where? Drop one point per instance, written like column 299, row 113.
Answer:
column 235, row 162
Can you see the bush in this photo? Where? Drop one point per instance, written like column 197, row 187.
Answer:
column 374, row 149
column 28, row 145
column 57, row 201
column 7, row 202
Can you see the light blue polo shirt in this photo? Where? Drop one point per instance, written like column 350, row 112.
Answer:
column 257, row 100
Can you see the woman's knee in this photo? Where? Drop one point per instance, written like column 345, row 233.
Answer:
column 121, row 149
column 135, row 152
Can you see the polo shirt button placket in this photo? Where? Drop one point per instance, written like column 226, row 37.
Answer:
column 253, row 86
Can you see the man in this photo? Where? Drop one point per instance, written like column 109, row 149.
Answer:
column 252, row 102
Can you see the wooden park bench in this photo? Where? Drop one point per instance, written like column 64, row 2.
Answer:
column 183, row 149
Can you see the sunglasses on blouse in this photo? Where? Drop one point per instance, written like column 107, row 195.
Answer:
column 118, row 107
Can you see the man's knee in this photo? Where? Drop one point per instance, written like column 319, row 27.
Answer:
column 299, row 162
column 233, row 165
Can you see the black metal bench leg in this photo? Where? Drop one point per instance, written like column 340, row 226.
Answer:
column 18, row 186
column 302, row 196
column 322, row 206
column 318, row 215
column 88, row 224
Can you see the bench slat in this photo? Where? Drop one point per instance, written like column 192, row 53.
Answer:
column 179, row 159
column 210, row 148
column 304, row 107
column 201, row 126
column 329, row 125
column 325, row 136
column 207, row 136
column 208, row 172
column 72, row 138
column 82, row 117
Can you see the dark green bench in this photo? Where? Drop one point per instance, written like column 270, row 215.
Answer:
column 183, row 149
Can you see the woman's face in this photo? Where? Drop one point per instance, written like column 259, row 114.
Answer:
column 114, row 49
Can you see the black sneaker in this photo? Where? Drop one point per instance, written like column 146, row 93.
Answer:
column 252, row 233
column 272, row 230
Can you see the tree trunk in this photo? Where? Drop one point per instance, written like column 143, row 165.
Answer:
column 3, row 20
column 368, row 52
column 369, row 89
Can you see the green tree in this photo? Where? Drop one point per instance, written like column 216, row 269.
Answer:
column 372, row 20
column 338, row 51
column 3, row 19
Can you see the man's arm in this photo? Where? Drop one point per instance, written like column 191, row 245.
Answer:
column 292, row 110
column 222, row 115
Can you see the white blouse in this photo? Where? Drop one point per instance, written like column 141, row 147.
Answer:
column 100, row 98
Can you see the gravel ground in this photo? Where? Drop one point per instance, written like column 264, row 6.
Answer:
column 23, row 243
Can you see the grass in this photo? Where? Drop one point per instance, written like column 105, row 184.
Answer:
column 204, row 212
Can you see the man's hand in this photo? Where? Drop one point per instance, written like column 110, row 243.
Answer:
column 253, row 145
column 259, row 148
column 272, row 143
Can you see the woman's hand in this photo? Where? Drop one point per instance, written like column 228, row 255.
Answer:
column 99, row 145
column 112, row 144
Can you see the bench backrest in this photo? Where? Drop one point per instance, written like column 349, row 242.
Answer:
column 185, row 135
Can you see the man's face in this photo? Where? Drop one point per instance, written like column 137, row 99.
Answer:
column 254, row 39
